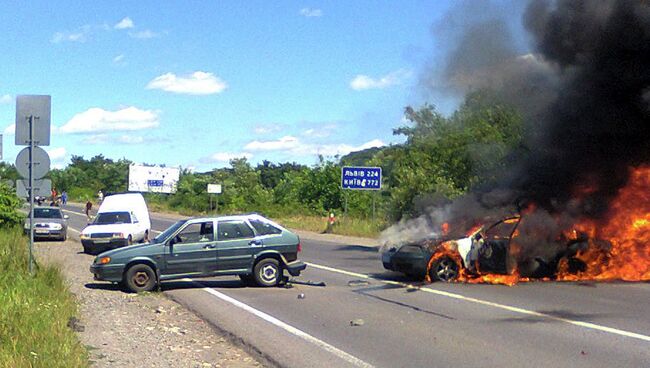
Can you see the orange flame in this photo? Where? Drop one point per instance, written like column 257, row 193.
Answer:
column 619, row 245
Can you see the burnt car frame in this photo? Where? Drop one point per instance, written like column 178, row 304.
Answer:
column 485, row 250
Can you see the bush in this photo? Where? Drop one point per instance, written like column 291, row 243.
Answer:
column 9, row 205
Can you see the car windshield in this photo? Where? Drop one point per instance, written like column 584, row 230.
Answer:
column 167, row 233
column 106, row 218
column 51, row 213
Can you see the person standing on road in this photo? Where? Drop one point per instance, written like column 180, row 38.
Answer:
column 64, row 197
column 89, row 206
column 100, row 196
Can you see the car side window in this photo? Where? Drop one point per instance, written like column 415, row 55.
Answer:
column 264, row 228
column 502, row 230
column 196, row 233
column 235, row 229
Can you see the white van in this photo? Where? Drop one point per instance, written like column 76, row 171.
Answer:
column 122, row 219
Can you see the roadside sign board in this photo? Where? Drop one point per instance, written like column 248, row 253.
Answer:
column 361, row 178
column 40, row 163
column 39, row 108
column 42, row 187
column 214, row 188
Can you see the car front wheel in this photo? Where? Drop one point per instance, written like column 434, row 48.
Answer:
column 140, row 278
column 267, row 272
column 445, row 269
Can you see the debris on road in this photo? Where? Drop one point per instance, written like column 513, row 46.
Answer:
column 355, row 283
column 357, row 322
column 308, row 282
column 301, row 296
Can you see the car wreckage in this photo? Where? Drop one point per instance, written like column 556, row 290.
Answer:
column 484, row 250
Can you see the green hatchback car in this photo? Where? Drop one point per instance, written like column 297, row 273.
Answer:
column 253, row 247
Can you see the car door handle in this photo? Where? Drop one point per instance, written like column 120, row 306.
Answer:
column 209, row 246
column 255, row 242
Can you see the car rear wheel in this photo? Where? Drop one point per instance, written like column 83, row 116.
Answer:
column 267, row 272
column 445, row 269
column 140, row 278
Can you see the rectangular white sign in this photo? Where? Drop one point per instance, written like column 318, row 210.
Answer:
column 38, row 108
column 154, row 179
column 214, row 188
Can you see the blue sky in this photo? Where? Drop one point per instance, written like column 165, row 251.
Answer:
column 195, row 83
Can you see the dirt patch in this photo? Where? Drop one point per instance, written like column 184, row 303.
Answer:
column 123, row 330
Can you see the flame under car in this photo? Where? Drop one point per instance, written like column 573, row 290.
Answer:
column 486, row 250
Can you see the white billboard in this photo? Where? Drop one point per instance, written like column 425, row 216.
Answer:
column 155, row 179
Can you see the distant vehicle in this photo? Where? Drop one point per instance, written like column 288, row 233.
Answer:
column 256, row 249
column 122, row 219
column 49, row 223
column 486, row 249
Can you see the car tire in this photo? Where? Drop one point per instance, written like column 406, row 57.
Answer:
column 445, row 269
column 248, row 280
column 140, row 278
column 267, row 272
column 64, row 237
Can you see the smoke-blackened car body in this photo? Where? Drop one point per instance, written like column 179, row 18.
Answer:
column 485, row 250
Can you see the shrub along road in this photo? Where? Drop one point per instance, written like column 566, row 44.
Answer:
column 366, row 316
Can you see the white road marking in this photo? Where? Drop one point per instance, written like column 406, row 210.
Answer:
column 587, row 325
column 293, row 330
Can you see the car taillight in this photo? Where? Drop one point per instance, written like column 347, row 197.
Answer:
column 299, row 247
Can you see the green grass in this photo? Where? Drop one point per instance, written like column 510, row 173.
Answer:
column 34, row 311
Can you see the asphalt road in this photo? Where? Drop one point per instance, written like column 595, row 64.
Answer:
column 367, row 316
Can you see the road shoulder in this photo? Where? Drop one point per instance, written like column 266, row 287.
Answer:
column 122, row 329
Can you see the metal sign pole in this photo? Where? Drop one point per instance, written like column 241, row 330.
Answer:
column 31, row 195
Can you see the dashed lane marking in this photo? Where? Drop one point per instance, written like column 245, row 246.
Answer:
column 587, row 325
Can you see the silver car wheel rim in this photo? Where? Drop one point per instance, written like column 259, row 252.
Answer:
column 269, row 273
column 140, row 279
column 447, row 270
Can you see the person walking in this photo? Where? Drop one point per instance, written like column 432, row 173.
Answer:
column 64, row 197
column 89, row 206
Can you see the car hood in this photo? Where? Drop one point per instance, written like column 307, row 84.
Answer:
column 108, row 228
column 136, row 250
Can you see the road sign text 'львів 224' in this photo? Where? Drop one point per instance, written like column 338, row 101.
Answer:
column 360, row 177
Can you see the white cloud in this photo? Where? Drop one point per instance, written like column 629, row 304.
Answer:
column 144, row 35
column 80, row 35
column 6, row 100
column 266, row 129
column 96, row 120
column 334, row 149
column 119, row 59
column 285, row 143
column 226, row 156
column 322, row 131
column 129, row 139
column 58, row 157
column 363, row 82
column 57, row 154
column 294, row 146
column 96, row 139
column 10, row 130
column 198, row 83
column 311, row 12
column 124, row 24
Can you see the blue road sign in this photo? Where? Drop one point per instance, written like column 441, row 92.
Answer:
column 358, row 177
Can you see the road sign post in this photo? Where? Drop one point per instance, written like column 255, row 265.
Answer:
column 33, row 110
column 214, row 189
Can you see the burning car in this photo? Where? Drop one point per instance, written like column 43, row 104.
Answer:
column 485, row 250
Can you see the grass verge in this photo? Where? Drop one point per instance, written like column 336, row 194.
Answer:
column 344, row 225
column 34, row 311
